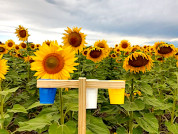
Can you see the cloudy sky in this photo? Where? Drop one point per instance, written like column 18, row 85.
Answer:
column 141, row 22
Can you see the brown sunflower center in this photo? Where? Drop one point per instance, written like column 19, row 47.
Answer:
column 124, row 45
column 113, row 55
column 95, row 53
column 10, row 44
column 53, row 63
column 23, row 45
column 138, row 62
column 85, row 52
column 101, row 45
column 165, row 50
column 2, row 49
column 17, row 47
column 176, row 53
column 32, row 46
column 75, row 39
column 118, row 50
column 22, row 33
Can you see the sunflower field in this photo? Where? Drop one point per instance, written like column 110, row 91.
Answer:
column 151, row 89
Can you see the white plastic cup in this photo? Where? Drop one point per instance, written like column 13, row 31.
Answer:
column 91, row 97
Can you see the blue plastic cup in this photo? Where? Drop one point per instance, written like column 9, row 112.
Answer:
column 47, row 95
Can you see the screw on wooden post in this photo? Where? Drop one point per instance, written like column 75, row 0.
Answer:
column 82, row 84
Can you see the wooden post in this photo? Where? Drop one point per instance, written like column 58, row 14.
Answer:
column 82, row 106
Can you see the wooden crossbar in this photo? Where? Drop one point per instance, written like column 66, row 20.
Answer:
column 81, row 84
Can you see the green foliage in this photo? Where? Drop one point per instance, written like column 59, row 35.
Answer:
column 22, row 111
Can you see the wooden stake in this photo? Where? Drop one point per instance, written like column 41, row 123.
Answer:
column 82, row 106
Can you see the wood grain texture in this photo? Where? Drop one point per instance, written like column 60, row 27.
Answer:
column 82, row 106
column 104, row 84
column 57, row 83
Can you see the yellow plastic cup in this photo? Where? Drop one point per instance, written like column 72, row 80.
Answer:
column 116, row 96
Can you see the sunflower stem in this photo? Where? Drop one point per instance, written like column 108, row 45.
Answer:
column 174, row 104
column 61, row 108
column 131, row 112
column 2, row 108
column 78, row 64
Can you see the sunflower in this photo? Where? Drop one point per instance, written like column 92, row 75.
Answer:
column 37, row 46
column 27, row 59
column 22, row 33
column 176, row 53
column 157, row 44
column 9, row 44
column 95, row 54
column 47, row 42
column 124, row 45
column 117, row 50
column 116, row 45
column 137, row 62
column 23, row 45
column 53, row 62
column 165, row 50
column 3, row 49
column 3, row 67
column 113, row 55
column 74, row 39
column 84, row 52
column 135, row 48
column 119, row 60
column 17, row 47
column 102, row 44
column 32, row 46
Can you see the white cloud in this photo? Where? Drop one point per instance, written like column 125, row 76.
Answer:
column 140, row 22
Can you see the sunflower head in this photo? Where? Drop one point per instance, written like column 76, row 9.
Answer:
column 3, row 67
column 74, row 39
column 17, row 47
column 27, row 59
column 47, row 42
column 84, row 52
column 23, row 45
column 55, row 63
column 137, row 62
column 114, row 55
column 135, row 48
column 124, row 45
column 165, row 50
column 116, row 45
column 176, row 53
column 3, row 49
column 95, row 54
column 32, row 46
column 119, row 60
column 102, row 44
column 9, row 44
column 22, row 33
column 37, row 46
